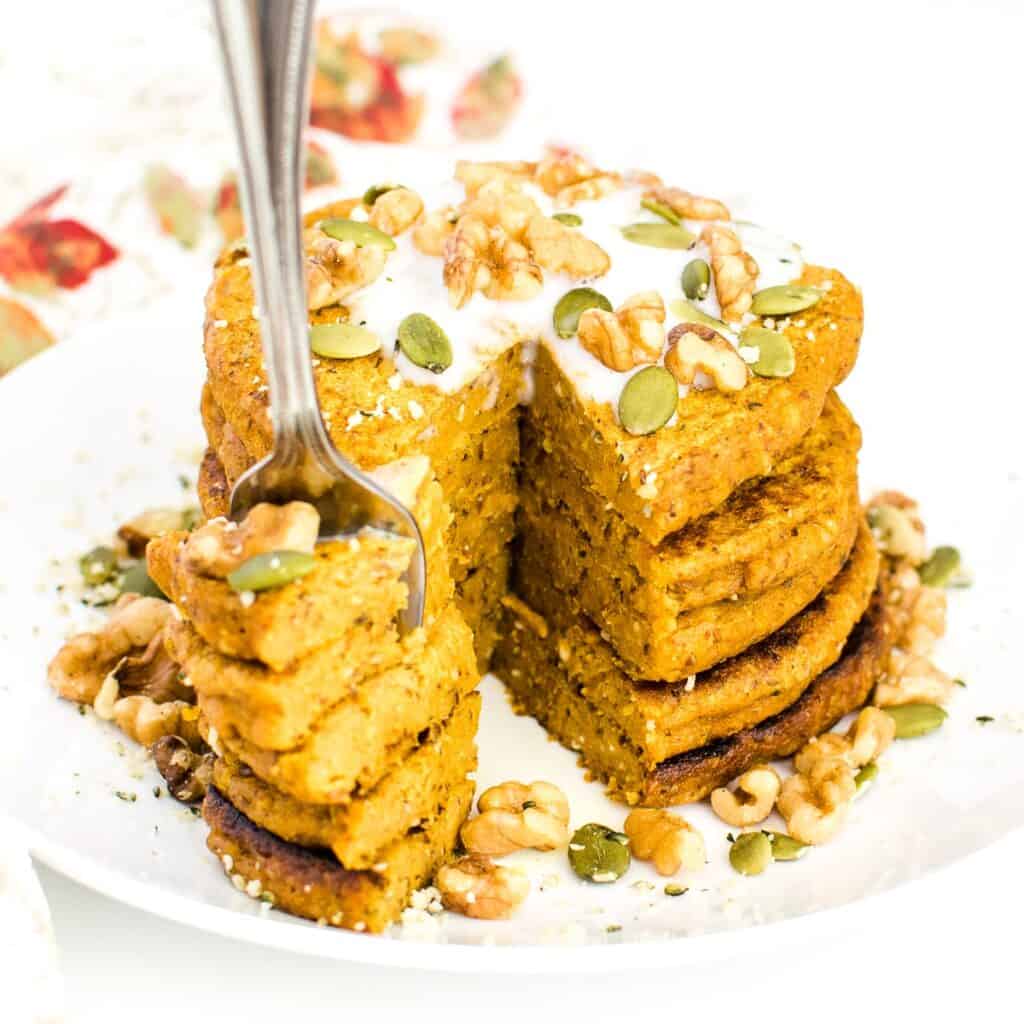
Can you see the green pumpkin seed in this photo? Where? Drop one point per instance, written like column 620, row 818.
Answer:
column 786, row 847
column 751, row 853
column 424, row 343
column 191, row 517
column 98, row 566
column 914, row 720
column 942, row 569
column 691, row 314
column 775, row 356
column 783, row 299
column 342, row 340
column 271, row 569
column 648, row 401
column 572, row 305
column 866, row 777
column 374, row 192
column 661, row 236
column 696, row 279
column 570, row 220
column 673, row 889
column 661, row 209
column 357, row 231
column 599, row 854
column 136, row 580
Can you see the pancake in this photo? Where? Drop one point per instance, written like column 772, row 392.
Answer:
column 311, row 883
column 767, row 531
column 357, row 831
column 568, row 677
column 659, row 482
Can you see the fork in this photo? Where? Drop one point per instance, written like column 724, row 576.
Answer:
column 265, row 46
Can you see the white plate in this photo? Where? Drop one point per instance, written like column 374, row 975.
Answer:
column 103, row 425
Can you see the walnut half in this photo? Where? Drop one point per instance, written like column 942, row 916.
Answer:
column 514, row 816
column 632, row 335
column 666, row 840
column 477, row 887
column 697, row 348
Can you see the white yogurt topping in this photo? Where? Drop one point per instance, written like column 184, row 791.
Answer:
column 412, row 283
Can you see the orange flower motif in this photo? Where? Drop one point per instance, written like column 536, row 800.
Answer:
column 488, row 101
column 39, row 255
column 358, row 94
column 21, row 335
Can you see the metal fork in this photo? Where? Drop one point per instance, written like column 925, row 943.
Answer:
column 265, row 45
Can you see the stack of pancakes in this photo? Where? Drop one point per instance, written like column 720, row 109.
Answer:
column 705, row 597
column 470, row 435
column 344, row 752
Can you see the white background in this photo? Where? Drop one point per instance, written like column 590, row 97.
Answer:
column 886, row 137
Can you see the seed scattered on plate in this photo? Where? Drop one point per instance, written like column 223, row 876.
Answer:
column 913, row 720
column 599, row 854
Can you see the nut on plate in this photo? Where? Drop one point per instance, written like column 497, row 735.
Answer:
column 144, row 720
column 865, row 741
column 477, row 887
column 912, row 679
column 632, row 335
column 896, row 523
column 698, row 348
column 515, row 816
column 815, row 805
column 687, row 205
column 186, row 772
column 751, row 800
column 84, row 663
column 665, row 839
column 396, row 210
column 220, row 547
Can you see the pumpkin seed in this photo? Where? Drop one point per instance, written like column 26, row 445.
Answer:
column 775, row 356
column 691, row 314
column 786, row 847
column 374, row 192
column 342, row 340
column 783, row 299
column 271, row 569
column 661, row 236
column 572, row 305
column 98, row 566
column 191, row 517
column 598, row 853
column 942, row 569
column 136, row 580
column 751, row 853
column 914, row 720
column 424, row 343
column 570, row 220
column 865, row 777
column 357, row 231
column 660, row 209
column 648, row 401
column 696, row 279
column 674, row 889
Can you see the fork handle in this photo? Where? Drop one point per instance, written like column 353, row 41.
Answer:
column 266, row 50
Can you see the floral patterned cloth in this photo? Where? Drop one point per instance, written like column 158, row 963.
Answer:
column 124, row 188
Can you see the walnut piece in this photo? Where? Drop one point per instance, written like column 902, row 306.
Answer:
column 865, row 741
column 568, row 178
column 475, row 886
column 735, row 271
column 186, row 771
column 396, row 210
column 632, row 335
column 665, row 839
column 897, row 525
column 335, row 269
column 86, row 660
column 144, row 720
column 912, row 679
column 434, row 230
column 697, row 348
column 815, row 805
column 474, row 174
column 751, row 800
column 562, row 249
column 516, row 816
column 221, row 546
column 686, row 204
column 484, row 259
